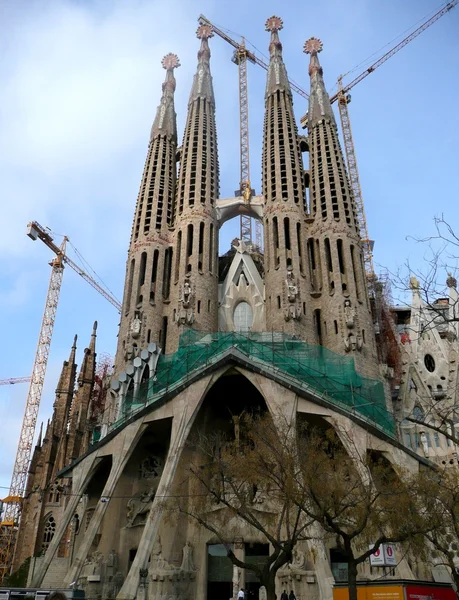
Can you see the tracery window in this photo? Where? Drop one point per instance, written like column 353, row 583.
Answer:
column 48, row 532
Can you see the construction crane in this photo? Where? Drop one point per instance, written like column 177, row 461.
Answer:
column 343, row 99
column 12, row 503
column 13, row 380
column 245, row 187
column 240, row 57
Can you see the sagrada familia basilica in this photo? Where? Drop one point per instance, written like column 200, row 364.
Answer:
column 202, row 338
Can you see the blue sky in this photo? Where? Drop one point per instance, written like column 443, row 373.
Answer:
column 80, row 84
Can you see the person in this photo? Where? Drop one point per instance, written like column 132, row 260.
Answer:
column 291, row 596
column 241, row 594
column 284, row 595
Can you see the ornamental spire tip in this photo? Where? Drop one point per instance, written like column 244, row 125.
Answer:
column 204, row 32
column 313, row 46
column 274, row 24
column 170, row 61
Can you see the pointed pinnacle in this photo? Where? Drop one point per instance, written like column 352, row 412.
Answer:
column 319, row 101
column 40, row 435
column 202, row 82
column 165, row 115
column 277, row 79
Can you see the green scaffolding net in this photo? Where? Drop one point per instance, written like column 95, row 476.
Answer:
column 310, row 367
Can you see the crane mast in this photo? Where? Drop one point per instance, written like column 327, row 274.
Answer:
column 13, row 501
column 354, row 181
column 245, row 187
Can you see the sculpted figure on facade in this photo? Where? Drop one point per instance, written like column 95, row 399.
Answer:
column 353, row 343
column 187, row 565
column 185, row 313
column 136, row 326
column 151, row 466
column 139, row 507
column 349, row 314
column 292, row 308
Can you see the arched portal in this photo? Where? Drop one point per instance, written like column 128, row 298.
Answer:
column 228, row 398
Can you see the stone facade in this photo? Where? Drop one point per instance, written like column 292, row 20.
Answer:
column 429, row 338
column 96, row 510
column 67, row 435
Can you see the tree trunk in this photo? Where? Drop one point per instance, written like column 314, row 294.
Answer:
column 352, row 579
column 268, row 579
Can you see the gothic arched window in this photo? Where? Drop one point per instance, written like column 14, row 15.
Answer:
column 243, row 317
column 49, row 530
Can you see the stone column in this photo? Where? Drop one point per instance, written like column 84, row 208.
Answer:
column 238, row 574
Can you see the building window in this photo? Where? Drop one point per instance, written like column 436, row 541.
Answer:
column 418, row 413
column 243, row 317
column 48, row 532
column 429, row 363
column 437, row 440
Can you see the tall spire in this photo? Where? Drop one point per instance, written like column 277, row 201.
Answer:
column 195, row 286
column 79, row 412
column 284, row 198
column 319, row 101
column 89, row 361
column 277, row 74
column 202, row 82
column 165, row 121
column 338, row 284
column 149, row 263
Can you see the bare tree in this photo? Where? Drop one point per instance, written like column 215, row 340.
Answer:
column 432, row 279
column 279, row 482
column 248, row 477
column 358, row 500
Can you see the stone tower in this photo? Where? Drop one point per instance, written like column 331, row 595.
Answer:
column 195, row 282
column 149, row 263
column 78, row 422
column 286, row 288
column 342, row 316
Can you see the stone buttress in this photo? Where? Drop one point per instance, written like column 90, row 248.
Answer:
column 286, row 285
column 342, row 316
column 149, row 263
column 194, row 295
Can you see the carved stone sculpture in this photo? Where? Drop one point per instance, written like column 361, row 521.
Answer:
column 185, row 313
column 292, row 308
column 349, row 314
column 136, row 326
column 139, row 507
